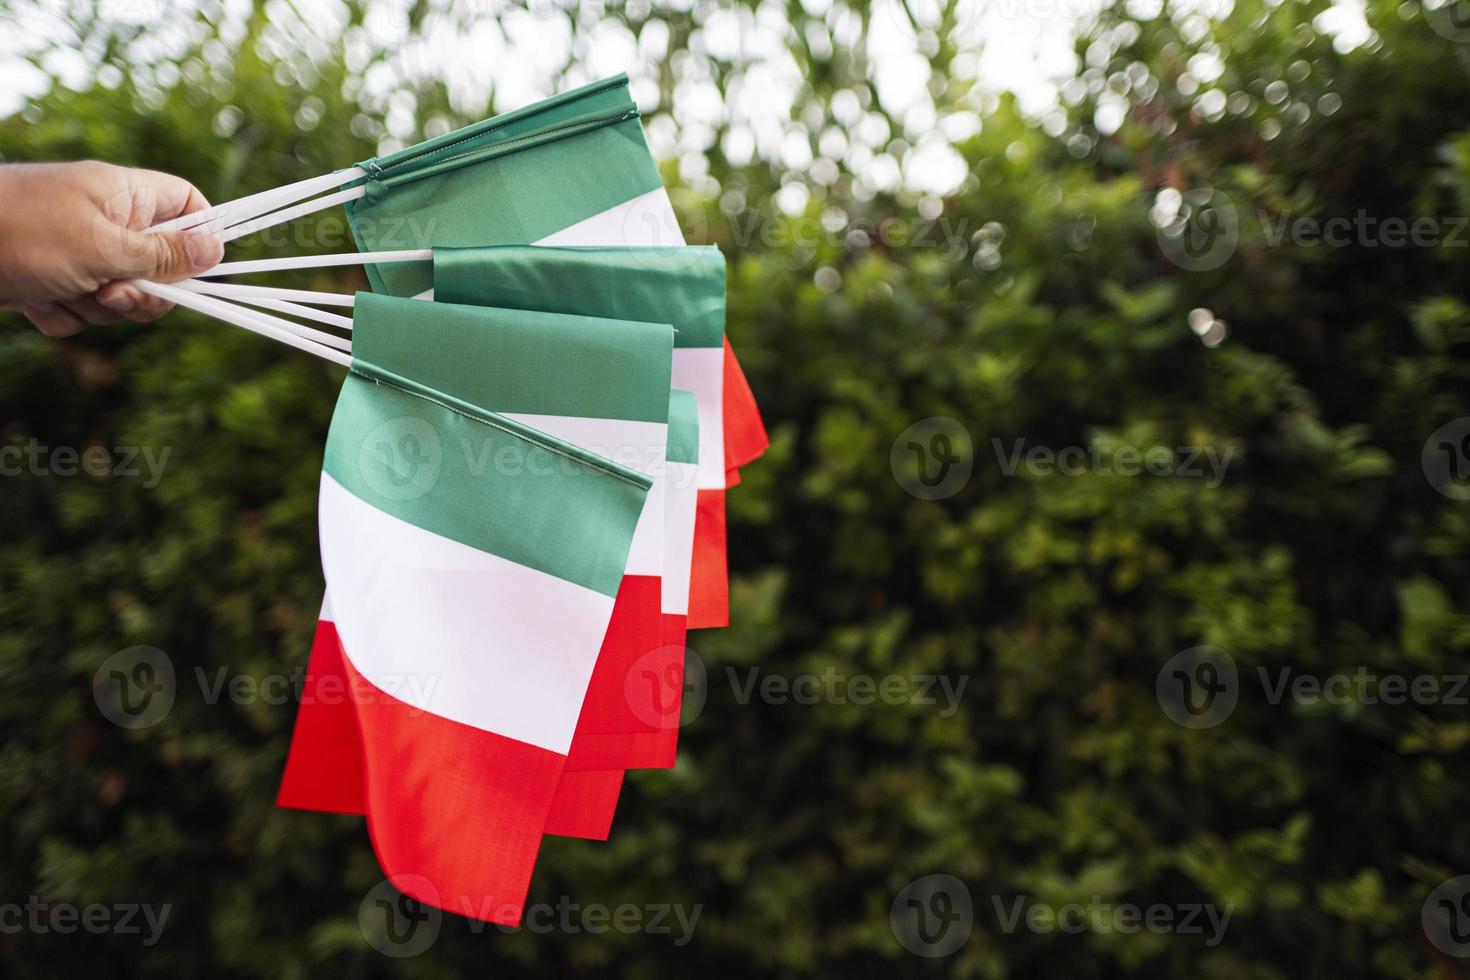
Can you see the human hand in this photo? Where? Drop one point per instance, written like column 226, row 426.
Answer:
column 71, row 232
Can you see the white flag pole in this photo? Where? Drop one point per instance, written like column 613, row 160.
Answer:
column 274, row 218
column 236, row 316
column 279, row 323
column 295, row 309
column 319, row 261
column 244, row 208
column 241, row 292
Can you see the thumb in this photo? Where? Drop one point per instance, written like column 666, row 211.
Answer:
column 168, row 256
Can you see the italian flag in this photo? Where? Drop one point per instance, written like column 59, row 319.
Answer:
column 572, row 171
column 469, row 603
column 597, row 383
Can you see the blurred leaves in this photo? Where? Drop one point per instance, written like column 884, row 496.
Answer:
column 1035, row 306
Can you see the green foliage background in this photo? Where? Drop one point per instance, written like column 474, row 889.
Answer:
column 1325, row 548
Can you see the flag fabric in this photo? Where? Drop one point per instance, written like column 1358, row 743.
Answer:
column 683, row 286
column 469, row 601
column 654, row 686
column 744, row 433
column 573, row 169
column 744, row 440
column 571, row 172
column 597, row 383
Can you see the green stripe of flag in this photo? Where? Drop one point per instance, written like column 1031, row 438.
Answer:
column 684, row 286
column 609, row 94
column 485, row 482
column 534, row 363
column 683, row 445
column 518, row 197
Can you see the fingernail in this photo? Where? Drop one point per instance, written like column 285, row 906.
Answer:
column 40, row 309
column 204, row 250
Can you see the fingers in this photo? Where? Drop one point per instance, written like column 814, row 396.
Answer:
column 154, row 196
column 131, row 302
column 53, row 320
column 88, row 310
column 134, row 200
column 183, row 199
column 169, row 256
